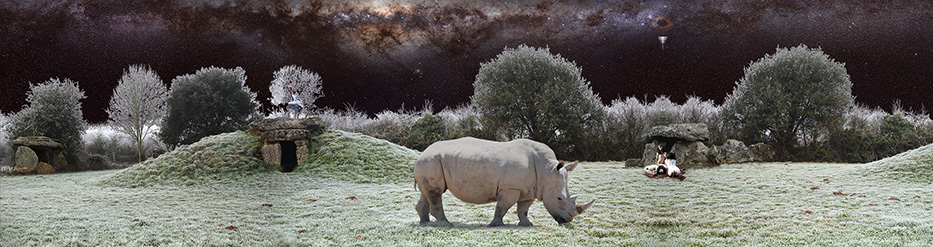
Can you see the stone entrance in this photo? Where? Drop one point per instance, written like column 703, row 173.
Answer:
column 286, row 140
column 38, row 154
column 289, row 156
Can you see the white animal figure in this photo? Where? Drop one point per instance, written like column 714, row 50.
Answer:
column 481, row 171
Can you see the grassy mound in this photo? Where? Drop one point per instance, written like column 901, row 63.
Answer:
column 358, row 158
column 214, row 158
column 914, row 165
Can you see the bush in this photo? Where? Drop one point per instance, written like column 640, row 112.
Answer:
column 54, row 111
column 793, row 91
column 530, row 93
column 209, row 102
column 426, row 131
column 6, row 146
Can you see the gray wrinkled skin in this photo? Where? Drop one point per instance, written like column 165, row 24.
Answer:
column 508, row 173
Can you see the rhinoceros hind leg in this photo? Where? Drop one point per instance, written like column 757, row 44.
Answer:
column 523, row 207
column 506, row 199
column 437, row 206
column 423, row 210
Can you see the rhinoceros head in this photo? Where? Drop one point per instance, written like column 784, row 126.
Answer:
column 556, row 197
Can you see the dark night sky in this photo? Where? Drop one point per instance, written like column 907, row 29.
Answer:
column 377, row 54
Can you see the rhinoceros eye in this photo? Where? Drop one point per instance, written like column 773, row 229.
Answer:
column 558, row 198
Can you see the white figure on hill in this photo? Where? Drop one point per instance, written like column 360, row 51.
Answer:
column 296, row 88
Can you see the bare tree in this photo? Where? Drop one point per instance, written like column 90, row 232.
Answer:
column 293, row 80
column 138, row 104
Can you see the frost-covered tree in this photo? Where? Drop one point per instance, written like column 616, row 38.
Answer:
column 137, row 104
column 209, row 102
column 54, row 111
column 293, row 79
column 793, row 91
column 529, row 92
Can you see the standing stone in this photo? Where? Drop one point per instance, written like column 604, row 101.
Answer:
column 26, row 158
column 272, row 154
column 301, row 151
column 44, row 168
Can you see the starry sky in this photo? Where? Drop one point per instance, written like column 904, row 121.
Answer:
column 385, row 54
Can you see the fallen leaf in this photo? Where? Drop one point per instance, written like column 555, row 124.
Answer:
column 220, row 225
column 187, row 224
column 872, row 204
column 825, row 180
column 267, row 205
column 302, row 231
column 918, row 197
column 515, row 212
column 814, row 188
column 232, row 228
column 838, row 193
column 894, row 199
column 407, row 196
column 352, row 198
column 808, row 212
column 809, row 182
column 310, row 200
column 452, row 204
column 359, row 237
column 738, row 178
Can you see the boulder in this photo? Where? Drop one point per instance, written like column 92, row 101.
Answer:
column 734, row 151
column 25, row 158
column 649, row 157
column 59, row 162
column 37, row 141
column 21, row 171
column 633, row 163
column 689, row 132
column 762, row 152
column 44, row 168
column 692, row 154
column 313, row 124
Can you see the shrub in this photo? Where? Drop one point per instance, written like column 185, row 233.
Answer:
column 530, row 93
column 54, row 111
column 898, row 133
column 787, row 93
column 209, row 102
column 426, row 131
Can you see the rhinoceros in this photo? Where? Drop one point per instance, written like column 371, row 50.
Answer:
column 480, row 171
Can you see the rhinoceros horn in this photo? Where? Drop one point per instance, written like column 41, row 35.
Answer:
column 583, row 207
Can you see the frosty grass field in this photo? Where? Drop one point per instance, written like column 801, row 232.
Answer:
column 741, row 204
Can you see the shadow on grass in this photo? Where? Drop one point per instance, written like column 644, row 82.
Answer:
column 478, row 226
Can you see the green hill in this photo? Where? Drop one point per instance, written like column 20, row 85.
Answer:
column 335, row 154
column 915, row 165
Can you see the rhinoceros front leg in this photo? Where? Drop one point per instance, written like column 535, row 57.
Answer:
column 523, row 207
column 506, row 199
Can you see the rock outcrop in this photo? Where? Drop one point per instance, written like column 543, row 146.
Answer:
column 734, row 151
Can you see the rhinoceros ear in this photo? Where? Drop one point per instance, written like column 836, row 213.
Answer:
column 558, row 166
column 571, row 166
